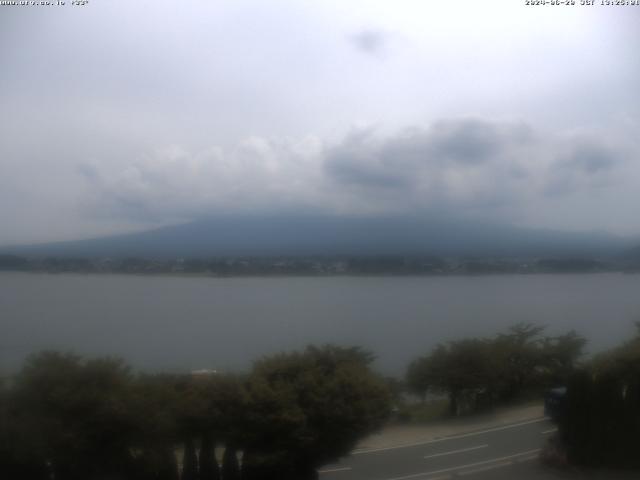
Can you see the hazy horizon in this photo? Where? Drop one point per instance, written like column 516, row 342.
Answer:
column 630, row 239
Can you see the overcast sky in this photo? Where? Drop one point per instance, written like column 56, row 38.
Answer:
column 122, row 115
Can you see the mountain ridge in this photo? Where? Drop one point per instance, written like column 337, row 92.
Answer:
column 323, row 235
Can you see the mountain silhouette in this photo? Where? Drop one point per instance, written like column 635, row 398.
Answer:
column 323, row 235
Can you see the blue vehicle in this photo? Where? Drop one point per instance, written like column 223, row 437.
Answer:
column 555, row 402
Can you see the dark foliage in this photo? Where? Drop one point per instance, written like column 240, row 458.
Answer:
column 190, row 461
column 601, row 422
column 13, row 262
column 476, row 373
column 306, row 409
column 209, row 469
column 230, row 466
column 68, row 418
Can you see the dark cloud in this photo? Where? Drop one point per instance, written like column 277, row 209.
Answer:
column 370, row 41
column 401, row 160
column 469, row 164
column 487, row 169
column 591, row 157
column 469, row 141
column 582, row 165
column 360, row 160
column 88, row 172
column 358, row 174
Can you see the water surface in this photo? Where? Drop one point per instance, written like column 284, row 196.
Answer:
column 183, row 323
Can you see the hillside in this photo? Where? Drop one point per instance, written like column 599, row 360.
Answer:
column 290, row 235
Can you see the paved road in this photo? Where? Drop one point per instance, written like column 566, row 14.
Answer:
column 509, row 451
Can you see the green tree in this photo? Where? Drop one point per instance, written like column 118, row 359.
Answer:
column 518, row 355
column 225, row 400
column 230, row 466
column 18, row 457
column 601, row 422
column 75, row 414
column 189, row 461
column 209, row 469
column 306, row 409
column 560, row 357
column 418, row 377
column 475, row 372
column 155, row 408
column 465, row 370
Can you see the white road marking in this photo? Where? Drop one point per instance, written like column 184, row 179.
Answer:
column 456, row 451
column 527, row 459
column 452, row 437
column 485, row 468
column 497, row 465
column 546, row 432
column 332, row 470
column 462, row 467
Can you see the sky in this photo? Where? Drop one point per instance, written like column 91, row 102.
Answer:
column 120, row 116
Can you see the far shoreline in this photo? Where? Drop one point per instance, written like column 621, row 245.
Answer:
column 307, row 275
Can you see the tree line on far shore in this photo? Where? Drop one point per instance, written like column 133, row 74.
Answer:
column 319, row 265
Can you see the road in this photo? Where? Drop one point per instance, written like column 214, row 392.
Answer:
column 504, row 452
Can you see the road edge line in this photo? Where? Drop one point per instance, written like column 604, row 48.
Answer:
column 450, row 437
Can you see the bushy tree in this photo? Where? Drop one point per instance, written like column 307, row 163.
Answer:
column 518, row 355
column 190, row 461
column 601, row 422
column 464, row 370
column 209, row 469
column 217, row 408
column 478, row 371
column 69, row 418
column 306, row 409
column 155, row 408
column 418, row 377
column 75, row 414
column 225, row 400
column 19, row 457
column 560, row 357
column 230, row 466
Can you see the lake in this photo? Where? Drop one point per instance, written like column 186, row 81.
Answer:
column 184, row 323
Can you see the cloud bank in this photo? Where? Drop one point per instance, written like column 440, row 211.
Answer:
column 467, row 166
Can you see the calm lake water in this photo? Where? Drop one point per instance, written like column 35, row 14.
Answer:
column 184, row 323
